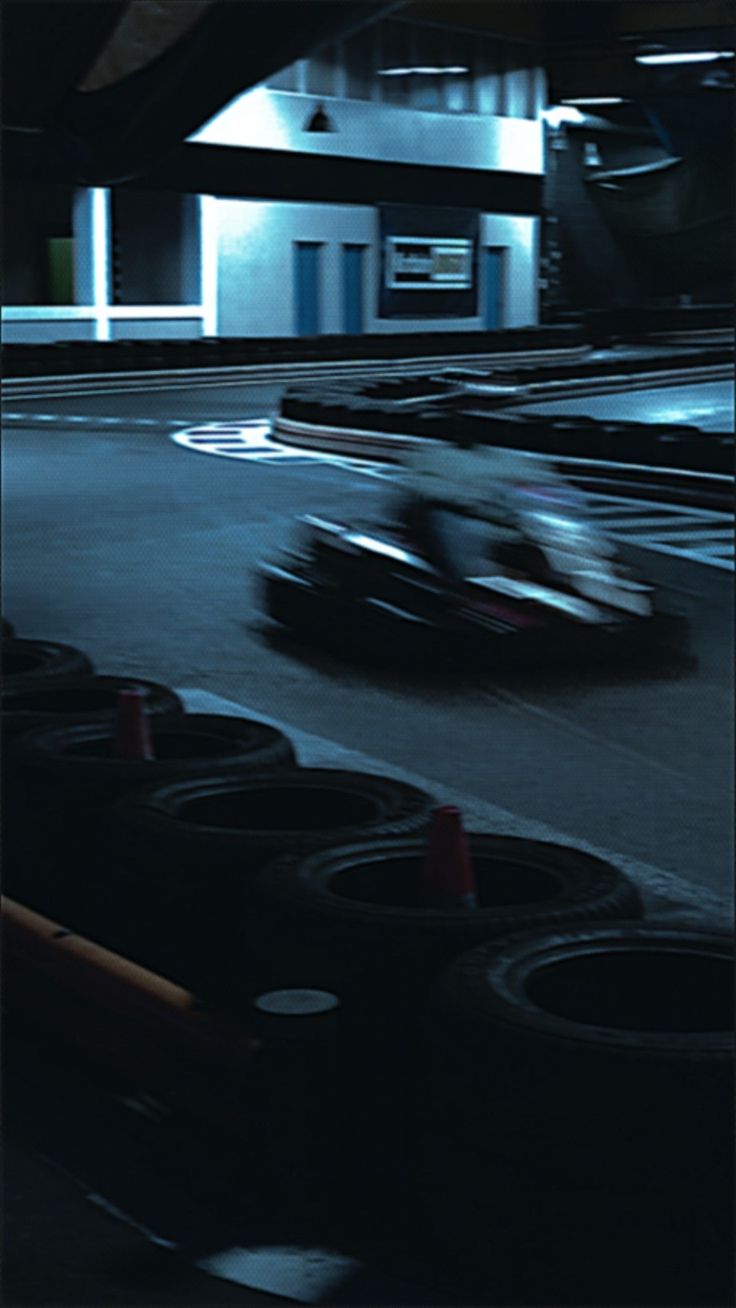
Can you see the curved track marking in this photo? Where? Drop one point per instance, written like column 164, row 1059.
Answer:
column 251, row 440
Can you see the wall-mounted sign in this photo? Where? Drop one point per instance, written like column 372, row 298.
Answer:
column 428, row 249
column 418, row 263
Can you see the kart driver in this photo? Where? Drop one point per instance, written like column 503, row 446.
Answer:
column 448, row 485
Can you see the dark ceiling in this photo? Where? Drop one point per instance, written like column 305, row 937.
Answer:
column 99, row 92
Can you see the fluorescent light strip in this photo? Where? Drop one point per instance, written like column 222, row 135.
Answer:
column 84, row 312
column 426, row 71
column 692, row 57
column 595, row 99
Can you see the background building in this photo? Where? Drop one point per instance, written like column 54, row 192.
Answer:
column 123, row 261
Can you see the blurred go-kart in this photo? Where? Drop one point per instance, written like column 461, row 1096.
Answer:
column 543, row 585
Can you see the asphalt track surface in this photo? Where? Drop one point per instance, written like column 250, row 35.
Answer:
column 141, row 552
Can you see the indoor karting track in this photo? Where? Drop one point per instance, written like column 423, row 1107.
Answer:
column 145, row 560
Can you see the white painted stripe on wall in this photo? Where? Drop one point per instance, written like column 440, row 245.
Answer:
column 208, row 253
column 101, row 260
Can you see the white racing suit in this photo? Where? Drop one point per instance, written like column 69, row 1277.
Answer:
column 461, row 502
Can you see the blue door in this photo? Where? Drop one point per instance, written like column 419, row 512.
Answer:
column 352, row 289
column 307, row 308
column 493, row 315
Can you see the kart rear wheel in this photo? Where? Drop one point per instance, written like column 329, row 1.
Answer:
column 293, row 601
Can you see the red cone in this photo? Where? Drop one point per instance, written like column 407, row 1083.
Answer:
column 449, row 880
column 132, row 736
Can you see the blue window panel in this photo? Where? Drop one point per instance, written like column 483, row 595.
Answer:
column 352, row 289
column 494, row 270
column 307, row 301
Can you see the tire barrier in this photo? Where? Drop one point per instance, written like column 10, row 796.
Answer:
column 195, row 848
column 589, row 1072
column 68, row 700
column 68, row 773
column 68, row 357
column 36, row 661
column 605, row 325
column 684, row 448
column 354, row 918
column 60, row 702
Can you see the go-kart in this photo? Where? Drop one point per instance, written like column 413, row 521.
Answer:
column 546, row 585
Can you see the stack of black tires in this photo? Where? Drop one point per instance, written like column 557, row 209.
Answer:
column 538, row 1093
column 441, row 410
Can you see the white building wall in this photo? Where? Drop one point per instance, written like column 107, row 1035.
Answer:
column 255, row 267
column 519, row 235
column 275, row 120
column 242, row 283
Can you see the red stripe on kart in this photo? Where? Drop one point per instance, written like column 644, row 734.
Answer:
column 509, row 615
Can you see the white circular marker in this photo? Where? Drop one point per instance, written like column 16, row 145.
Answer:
column 297, row 1003
column 297, row 1017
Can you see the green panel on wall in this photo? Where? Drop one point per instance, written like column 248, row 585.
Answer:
column 60, row 269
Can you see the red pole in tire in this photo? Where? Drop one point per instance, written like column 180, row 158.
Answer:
column 132, row 734
column 448, row 876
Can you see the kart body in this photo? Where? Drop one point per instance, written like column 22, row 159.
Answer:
column 548, row 588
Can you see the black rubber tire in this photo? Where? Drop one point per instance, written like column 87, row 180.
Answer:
column 564, row 1047
column 77, row 757
column 78, row 699
column 24, row 661
column 194, row 849
column 380, row 937
column 380, row 805
column 291, row 600
column 357, row 628
column 69, row 775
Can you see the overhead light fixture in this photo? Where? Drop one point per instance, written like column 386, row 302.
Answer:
column 319, row 121
column 423, row 70
column 596, row 99
column 684, row 57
